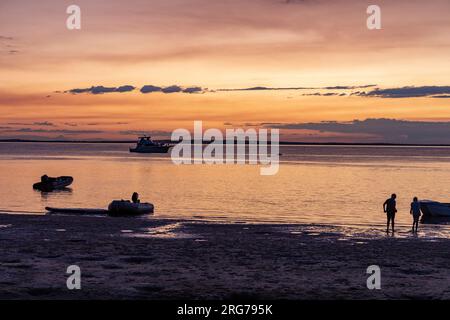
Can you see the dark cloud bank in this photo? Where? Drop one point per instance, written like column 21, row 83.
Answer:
column 442, row 92
column 370, row 130
column 384, row 130
column 145, row 89
column 409, row 92
column 197, row 89
column 102, row 89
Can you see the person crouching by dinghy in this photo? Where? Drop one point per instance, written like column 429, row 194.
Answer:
column 415, row 212
column 389, row 206
column 135, row 198
column 46, row 179
column 130, row 208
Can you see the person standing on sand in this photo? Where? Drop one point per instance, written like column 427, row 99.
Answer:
column 415, row 211
column 389, row 206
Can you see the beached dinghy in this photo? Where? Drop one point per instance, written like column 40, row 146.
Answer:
column 128, row 208
column 121, row 208
column 435, row 209
column 77, row 211
column 50, row 184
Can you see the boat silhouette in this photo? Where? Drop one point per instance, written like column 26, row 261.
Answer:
column 147, row 145
column 49, row 184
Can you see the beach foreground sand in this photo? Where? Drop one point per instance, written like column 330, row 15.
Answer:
column 125, row 258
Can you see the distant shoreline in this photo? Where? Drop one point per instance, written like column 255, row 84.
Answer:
column 285, row 143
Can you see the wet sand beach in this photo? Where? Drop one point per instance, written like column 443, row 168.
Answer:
column 124, row 258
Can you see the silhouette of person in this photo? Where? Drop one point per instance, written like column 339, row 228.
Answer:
column 46, row 179
column 389, row 206
column 135, row 198
column 415, row 211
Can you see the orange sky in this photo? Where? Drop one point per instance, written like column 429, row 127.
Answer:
column 216, row 45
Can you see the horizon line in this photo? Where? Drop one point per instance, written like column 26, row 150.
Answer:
column 224, row 141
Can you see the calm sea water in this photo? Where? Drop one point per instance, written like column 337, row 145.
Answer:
column 315, row 184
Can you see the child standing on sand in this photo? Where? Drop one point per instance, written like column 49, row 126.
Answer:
column 415, row 211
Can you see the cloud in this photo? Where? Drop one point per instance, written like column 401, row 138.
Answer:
column 106, row 123
column 350, row 87
column 18, row 123
column 150, row 89
column 101, row 89
column 126, row 88
column 197, row 89
column 383, row 130
column 244, row 124
column 407, row 92
column 7, row 43
column 44, row 123
column 298, row 88
column 172, row 89
column 327, row 94
column 145, row 132
column 264, row 89
column 193, row 90
column 37, row 123
column 74, row 124
column 145, row 89
column 59, row 131
column 34, row 137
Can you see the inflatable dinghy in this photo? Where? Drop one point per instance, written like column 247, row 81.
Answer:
column 117, row 208
column 50, row 184
column 127, row 208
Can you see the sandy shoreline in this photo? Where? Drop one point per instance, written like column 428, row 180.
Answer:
column 123, row 258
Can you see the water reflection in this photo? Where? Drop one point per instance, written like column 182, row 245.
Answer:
column 360, row 234
column 59, row 193
column 335, row 185
column 56, row 192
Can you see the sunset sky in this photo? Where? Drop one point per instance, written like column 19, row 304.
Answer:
column 309, row 67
